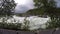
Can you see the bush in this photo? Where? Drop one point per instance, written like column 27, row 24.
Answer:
column 15, row 26
column 12, row 26
column 54, row 23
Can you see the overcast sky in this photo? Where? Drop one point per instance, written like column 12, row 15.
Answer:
column 58, row 3
column 24, row 5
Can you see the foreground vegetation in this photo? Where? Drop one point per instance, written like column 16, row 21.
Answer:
column 15, row 26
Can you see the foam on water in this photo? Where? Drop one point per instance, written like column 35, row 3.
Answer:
column 35, row 21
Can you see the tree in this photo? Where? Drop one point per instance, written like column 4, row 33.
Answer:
column 35, row 12
column 44, row 7
column 7, row 7
column 44, row 3
column 50, row 8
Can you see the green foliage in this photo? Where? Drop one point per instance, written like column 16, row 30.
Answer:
column 26, row 25
column 54, row 23
column 16, row 26
column 43, row 7
column 35, row 12
column 44, row 3
column 12, row 26
column 50, row 8
column 6, row 7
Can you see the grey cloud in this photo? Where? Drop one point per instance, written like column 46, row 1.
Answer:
column 21, row 9
column 58, row 3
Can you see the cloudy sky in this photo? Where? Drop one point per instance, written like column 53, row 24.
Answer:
column 24, row 5
column 58, row 3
